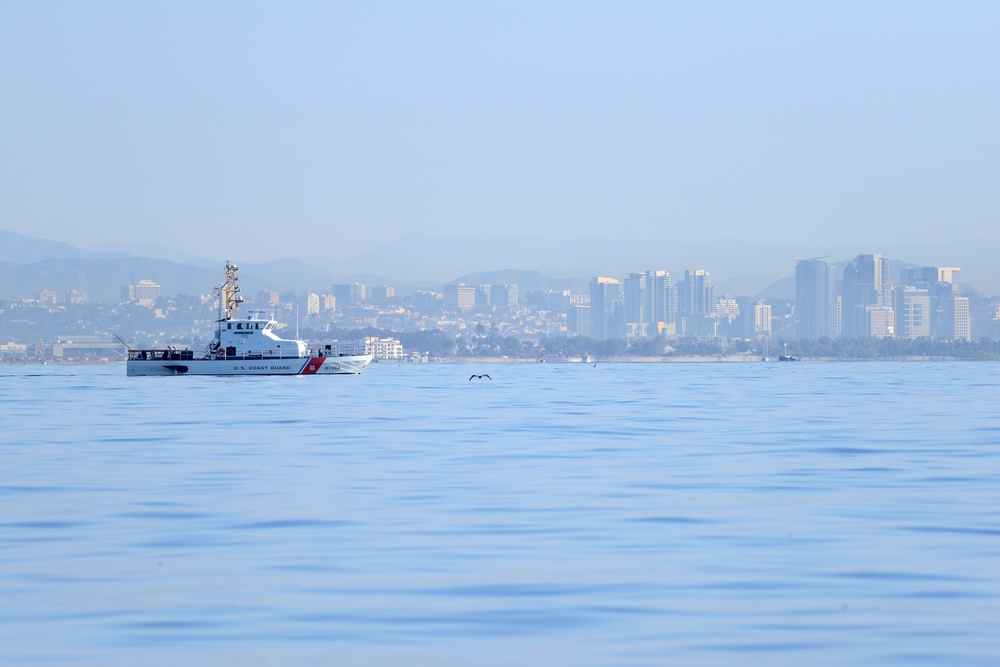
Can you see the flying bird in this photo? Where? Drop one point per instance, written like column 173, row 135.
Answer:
column 484, row 375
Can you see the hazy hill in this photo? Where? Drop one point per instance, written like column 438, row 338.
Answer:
column 16, row 247
column 422, row 262
column 102, row 279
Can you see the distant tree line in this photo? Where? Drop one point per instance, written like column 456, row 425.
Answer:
column 484, row 341
column 878, row 348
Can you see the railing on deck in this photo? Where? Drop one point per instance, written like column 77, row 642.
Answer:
column 347, row 350
column 161, row 355
column 350, row 350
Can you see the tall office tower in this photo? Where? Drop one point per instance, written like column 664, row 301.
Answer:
column 606, row 308
column 954, row 322
column 696, row 303
column 513, row 298
column 146, row 292
column 460, row 297
column 913, row 312
column 699, row 296
column 961, row 317
column 815, row 298
column 636, row 305
column 484, row 296
column 344, row 294
column 662, row 300
column 866, row 284
column 358, row 293
column 762, row 319
column 578, row 320
column 427, row 302
column 380, row 294
column 938, row 283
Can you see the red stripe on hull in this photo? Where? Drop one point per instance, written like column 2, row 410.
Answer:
column 312, row 366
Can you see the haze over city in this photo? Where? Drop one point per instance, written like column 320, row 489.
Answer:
column 436, row 333
column 330, row 129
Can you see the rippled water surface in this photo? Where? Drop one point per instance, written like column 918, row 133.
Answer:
column 617, row 514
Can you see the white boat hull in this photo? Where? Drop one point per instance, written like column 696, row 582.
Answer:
column 340, row 365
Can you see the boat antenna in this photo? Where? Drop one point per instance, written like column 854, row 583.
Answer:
column 123, row 343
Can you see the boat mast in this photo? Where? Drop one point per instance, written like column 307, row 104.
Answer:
column 229, row 294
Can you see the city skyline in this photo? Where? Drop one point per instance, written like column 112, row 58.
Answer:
column 923, row 303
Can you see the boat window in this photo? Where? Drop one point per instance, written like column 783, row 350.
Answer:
column 239, row 325
column 229, row 325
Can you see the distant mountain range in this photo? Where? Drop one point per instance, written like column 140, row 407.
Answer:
column 28, row 265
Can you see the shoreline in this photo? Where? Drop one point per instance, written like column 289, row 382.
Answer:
column 692, row 359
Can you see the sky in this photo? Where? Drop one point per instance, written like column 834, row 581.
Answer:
column 322, row 128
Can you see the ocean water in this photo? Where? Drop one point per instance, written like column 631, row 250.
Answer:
column 558, row 514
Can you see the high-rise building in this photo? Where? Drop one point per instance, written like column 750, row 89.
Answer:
column 380, row 294
column 606, row 308
column 955, row 322
column 145, row 292
column 427, row 302
column 460, row 297
column 342, row 293
column 866, row 284
column 880, row 321
column 913, row 312
column 578, row 319
column 484, row 296
column 699, row 294
column 938, row 283
column 815, row 298
column 636, row 305
column 662, row 299
column 696, row 303
column 349, row 295
column 762, row 319
column 513, row 298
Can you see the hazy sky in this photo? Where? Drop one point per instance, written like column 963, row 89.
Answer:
column 294, row 129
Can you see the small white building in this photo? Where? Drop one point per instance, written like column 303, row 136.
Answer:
column 387, row 348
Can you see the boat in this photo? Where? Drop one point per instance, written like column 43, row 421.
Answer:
column 786, row 356
column 248, row 346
